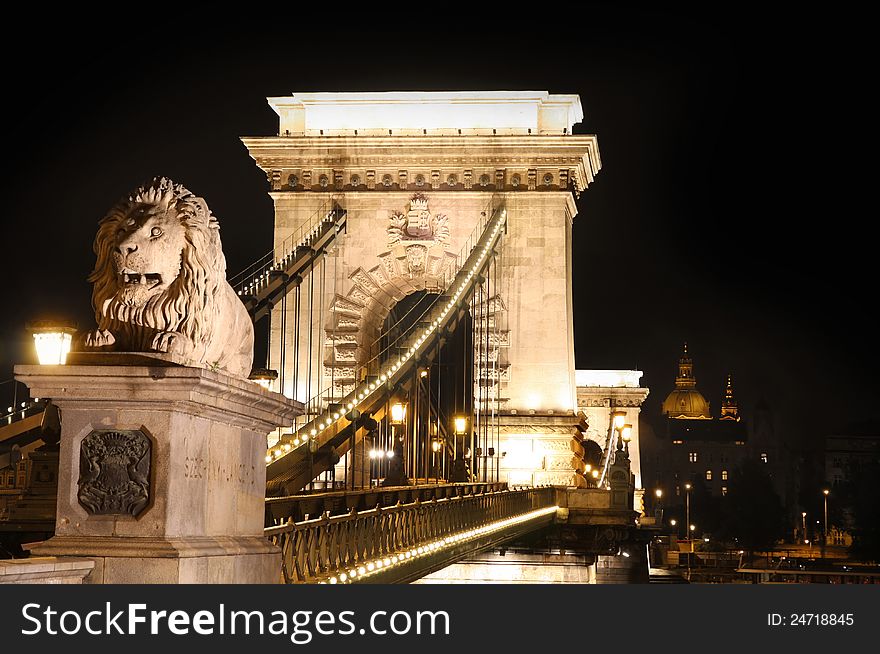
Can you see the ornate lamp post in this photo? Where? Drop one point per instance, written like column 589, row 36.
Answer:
column 436, row 445
column 460, row 470
column 626, row 436
column 396, row 474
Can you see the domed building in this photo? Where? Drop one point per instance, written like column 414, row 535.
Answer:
column 685, row 401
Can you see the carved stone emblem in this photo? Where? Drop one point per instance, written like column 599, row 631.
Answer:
column 415, row 259
column 114, row 472
column 417, row 224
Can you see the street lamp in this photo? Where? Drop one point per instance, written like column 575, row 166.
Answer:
column 264, row 377
column 804, row 520
column 825, row 492
column 693, row 528
column 435, row 448
column 52, row 340
column 658, row 511
column 398, row 413
column 396, row 475
column 626, row 435
column 687, row 488
column 460, row 470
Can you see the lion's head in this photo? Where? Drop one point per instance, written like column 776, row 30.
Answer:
column 159, row 265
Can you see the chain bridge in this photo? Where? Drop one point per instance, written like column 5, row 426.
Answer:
column 416, row 307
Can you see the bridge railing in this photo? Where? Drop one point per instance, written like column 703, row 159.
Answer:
column 256, row 275
column 305, row 506
column 337, row 549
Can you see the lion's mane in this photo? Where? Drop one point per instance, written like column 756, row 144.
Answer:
column 191, row 303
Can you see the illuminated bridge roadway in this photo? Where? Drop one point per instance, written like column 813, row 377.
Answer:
column 412, row 531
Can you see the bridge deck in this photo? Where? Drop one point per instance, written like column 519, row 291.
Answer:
column 401, row 543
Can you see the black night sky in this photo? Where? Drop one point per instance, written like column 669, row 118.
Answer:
column 721, row 214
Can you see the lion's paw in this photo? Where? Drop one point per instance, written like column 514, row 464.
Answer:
column 98, row 338
column 172, row 343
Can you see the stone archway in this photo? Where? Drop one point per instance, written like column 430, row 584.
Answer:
column 418, row 259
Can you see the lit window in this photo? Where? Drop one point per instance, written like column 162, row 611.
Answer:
column 724, row 475
column 692, row 457
column 724, row 490
column 708, row 475
column 763, row 457
column 677, row 442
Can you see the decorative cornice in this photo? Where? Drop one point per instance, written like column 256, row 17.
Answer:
column 215, row 395
column 518, row 162
column 599, row 396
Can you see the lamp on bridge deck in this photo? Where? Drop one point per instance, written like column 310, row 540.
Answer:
column 460, row 472
column 396, row 474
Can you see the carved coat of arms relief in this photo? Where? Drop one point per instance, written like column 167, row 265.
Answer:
column 419, row 238
column 417, row 224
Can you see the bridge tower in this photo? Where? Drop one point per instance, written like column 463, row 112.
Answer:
column 413, row 172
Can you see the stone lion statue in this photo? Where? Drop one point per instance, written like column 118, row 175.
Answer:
column 159, row 283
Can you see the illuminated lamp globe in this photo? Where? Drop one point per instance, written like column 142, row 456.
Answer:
column 398, row 413
column 52, row 340
column 264, row 377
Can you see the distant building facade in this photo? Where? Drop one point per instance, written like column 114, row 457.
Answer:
column 691, row 446
column 846, row 458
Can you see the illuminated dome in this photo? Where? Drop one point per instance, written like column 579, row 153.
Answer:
column 685, row 401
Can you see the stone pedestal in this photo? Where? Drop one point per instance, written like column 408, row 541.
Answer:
column 538, row 449
column 162, row 473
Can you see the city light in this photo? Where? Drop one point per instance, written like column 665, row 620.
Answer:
column 52, row 340
column 398, row 413
column 264, row 377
